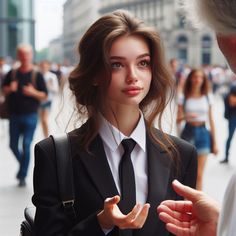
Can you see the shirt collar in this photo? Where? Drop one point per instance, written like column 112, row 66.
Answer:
column 112, row 137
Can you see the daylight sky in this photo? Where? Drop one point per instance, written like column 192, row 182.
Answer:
column 48, row 17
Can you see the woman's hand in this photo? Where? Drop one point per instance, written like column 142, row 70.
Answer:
column 215, row 149
column 111, row 215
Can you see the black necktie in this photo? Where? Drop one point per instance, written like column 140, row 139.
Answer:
column 127, row 179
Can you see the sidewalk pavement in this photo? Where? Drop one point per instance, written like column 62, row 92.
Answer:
column 14, row 199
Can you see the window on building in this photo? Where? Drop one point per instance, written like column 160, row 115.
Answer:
column 182, row 44
column 206, row 43
column 12, row 8
column 181, row 21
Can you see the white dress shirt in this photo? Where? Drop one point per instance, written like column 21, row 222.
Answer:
column 112, row 138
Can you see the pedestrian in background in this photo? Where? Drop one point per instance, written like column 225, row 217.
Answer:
column 53, row 88
column 195, row 109
column 230, row 115
column 122, row 166
column 25, row 88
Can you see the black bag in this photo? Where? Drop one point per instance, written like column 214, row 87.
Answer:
column 65, row 180
column 4, row 111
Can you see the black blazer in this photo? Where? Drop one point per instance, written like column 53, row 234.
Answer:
column 94, row 182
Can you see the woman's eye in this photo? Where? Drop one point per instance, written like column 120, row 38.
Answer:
column 144, row 63
column 116, row 65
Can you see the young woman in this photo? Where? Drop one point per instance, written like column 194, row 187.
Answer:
column 195, row 108
column 120, row 84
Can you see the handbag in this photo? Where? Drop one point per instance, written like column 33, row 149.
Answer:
column 65, row 181
column 4, row 112
column 4, row 108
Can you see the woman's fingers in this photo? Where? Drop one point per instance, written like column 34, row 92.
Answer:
column 141, row 216
column 109, row 202
column 136, row 218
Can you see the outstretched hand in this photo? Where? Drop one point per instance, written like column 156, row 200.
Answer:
column 112, row 216
column 196, row 217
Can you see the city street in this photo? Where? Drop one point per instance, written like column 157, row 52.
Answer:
column 13, row 199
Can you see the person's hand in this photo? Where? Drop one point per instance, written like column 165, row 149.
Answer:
column 215, row 149
column 13, row 86
column 196, row 217
column 111, row 215
column 232, row 100
column 29, row 90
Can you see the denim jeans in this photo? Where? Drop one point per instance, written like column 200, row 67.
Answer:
column 199, row 136
column 22, row 129
column 231, row 129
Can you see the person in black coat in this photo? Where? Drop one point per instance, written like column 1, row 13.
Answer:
column 121, row 85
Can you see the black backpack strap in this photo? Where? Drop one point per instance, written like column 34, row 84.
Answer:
column 65, row 173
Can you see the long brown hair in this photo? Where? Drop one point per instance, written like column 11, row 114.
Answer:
column 91, row 78
column 188, row 83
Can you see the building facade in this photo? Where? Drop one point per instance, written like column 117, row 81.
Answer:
column 181, row 41
column 17, row 25
column 192, row 47
column 78, row 16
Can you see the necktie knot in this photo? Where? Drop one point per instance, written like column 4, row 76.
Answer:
column 128, row 145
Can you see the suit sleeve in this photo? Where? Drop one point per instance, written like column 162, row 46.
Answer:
column 189, row 163
column 50, row 218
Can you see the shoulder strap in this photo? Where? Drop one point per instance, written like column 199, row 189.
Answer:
column 65, row 173
column 33, row 77
column 13, row 74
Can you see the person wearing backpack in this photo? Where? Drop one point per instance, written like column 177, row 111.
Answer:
column 25, row 88
column 230, row 115
column 122, row 165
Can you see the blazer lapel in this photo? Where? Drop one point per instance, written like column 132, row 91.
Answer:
column 158, row 172
column 158, row 178
column 98, row 168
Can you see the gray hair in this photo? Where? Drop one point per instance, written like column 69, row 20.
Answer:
column 220, row 15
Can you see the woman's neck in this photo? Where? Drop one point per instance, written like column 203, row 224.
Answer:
column 196, row 92
column 124, row 118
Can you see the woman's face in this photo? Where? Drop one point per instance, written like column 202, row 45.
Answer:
column 131, row 73
column 227, row 45
column 197, row 79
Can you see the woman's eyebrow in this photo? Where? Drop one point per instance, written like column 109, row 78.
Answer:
column 123, row 58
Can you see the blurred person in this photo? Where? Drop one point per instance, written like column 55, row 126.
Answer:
column 120, row 84
column 195, row 109
column 177, row 73
column 230, row 115
column 221, row 16
column 4, row 68
column 52, row 88
column 59, row 71
column 24, row 92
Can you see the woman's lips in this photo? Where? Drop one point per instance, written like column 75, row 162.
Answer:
column 132, row 91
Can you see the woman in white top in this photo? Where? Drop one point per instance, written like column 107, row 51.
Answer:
column 195, row 108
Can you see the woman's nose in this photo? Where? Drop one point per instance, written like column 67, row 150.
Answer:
column 131, row 75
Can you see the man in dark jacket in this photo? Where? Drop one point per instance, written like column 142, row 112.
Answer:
column 25, row 88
